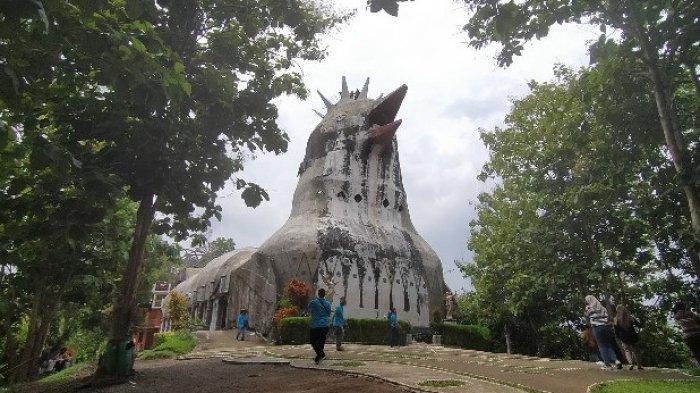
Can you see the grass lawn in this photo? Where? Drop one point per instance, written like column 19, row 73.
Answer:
column 648, row 387
column 170, row 345
column 441, row 383
column 64, row 374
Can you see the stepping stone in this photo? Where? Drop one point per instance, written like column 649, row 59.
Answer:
column 256, row 360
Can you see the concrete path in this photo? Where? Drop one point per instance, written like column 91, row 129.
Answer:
column 412, row 377
column 480, row 372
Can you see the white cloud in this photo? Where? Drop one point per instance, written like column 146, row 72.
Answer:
column 453, row 91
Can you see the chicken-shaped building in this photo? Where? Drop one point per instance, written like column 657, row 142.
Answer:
column 349, row 231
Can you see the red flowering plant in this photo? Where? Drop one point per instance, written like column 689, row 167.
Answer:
column 298, row 292
column 285, row 312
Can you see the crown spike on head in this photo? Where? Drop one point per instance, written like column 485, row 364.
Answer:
column 344, row 93
column 365, row 89
column 326, row 102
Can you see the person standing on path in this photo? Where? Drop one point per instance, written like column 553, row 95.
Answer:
column 242, row 324
column 689, row 322
column 393, row 327
column 602, row 331
column 339, row 324
column 628, row 336
column 320, row 311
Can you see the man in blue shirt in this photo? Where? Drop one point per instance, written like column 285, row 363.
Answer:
column 338, row 324
column 320, row 311
column 393, row 327
column 242, row 324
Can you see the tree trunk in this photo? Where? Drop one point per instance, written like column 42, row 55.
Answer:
column 506, row 334
column 42, row 314
column 694, row 77
column 535, row 334
column 663, row 95
column 125, row 307
column 125, row 302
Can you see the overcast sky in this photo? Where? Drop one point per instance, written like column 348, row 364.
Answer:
column 453, row 90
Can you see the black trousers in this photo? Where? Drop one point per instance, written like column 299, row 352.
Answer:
column 394, row 336
column 317, row 337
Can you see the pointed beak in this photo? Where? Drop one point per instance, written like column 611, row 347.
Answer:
column 384, row 134
column 385, row 112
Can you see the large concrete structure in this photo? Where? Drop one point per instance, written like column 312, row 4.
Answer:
column 350, row 230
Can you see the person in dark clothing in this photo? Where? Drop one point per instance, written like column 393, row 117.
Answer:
column 689, row 322
column 393, row 321
column 320, row 311
column 626, row 333
column 590, row 344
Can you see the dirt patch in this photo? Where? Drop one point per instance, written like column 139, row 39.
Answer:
column 215, row 376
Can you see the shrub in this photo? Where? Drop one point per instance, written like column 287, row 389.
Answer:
column 662, row 346
column 285, row 312
column 466, row 336
column 295, row 330
column 177, row 309
column 180, row 342
column 436, row 327
column 284, row 302
column 89, row 344
column 561, row 342
column 373, row 331
column 298, row 292
column 160, row 338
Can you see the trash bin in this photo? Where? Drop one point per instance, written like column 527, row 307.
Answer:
column 118, row 359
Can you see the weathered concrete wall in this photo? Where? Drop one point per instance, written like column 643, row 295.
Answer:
column 350, row 230
column 251, row 284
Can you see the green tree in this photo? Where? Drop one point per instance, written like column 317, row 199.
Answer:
column 177, row 307
column 200, row 256
column 660, row 34
column 164, row 96
column 585, row 205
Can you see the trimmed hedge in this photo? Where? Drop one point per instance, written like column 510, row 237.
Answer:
column 464, row 336
column 295, row 330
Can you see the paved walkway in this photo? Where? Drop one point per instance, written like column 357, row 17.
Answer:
column 481, row 372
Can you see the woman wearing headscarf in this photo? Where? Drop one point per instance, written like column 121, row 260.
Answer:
column 625, row 332
column 602, row 331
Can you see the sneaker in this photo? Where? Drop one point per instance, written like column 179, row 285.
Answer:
column 618, row 365
column 316, row 359
column 320, row 359
column 341, row 349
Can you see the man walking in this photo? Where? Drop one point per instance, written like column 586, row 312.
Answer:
column 338, row 324
column 320, row 311
column 393, row 327
column 242, row 324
